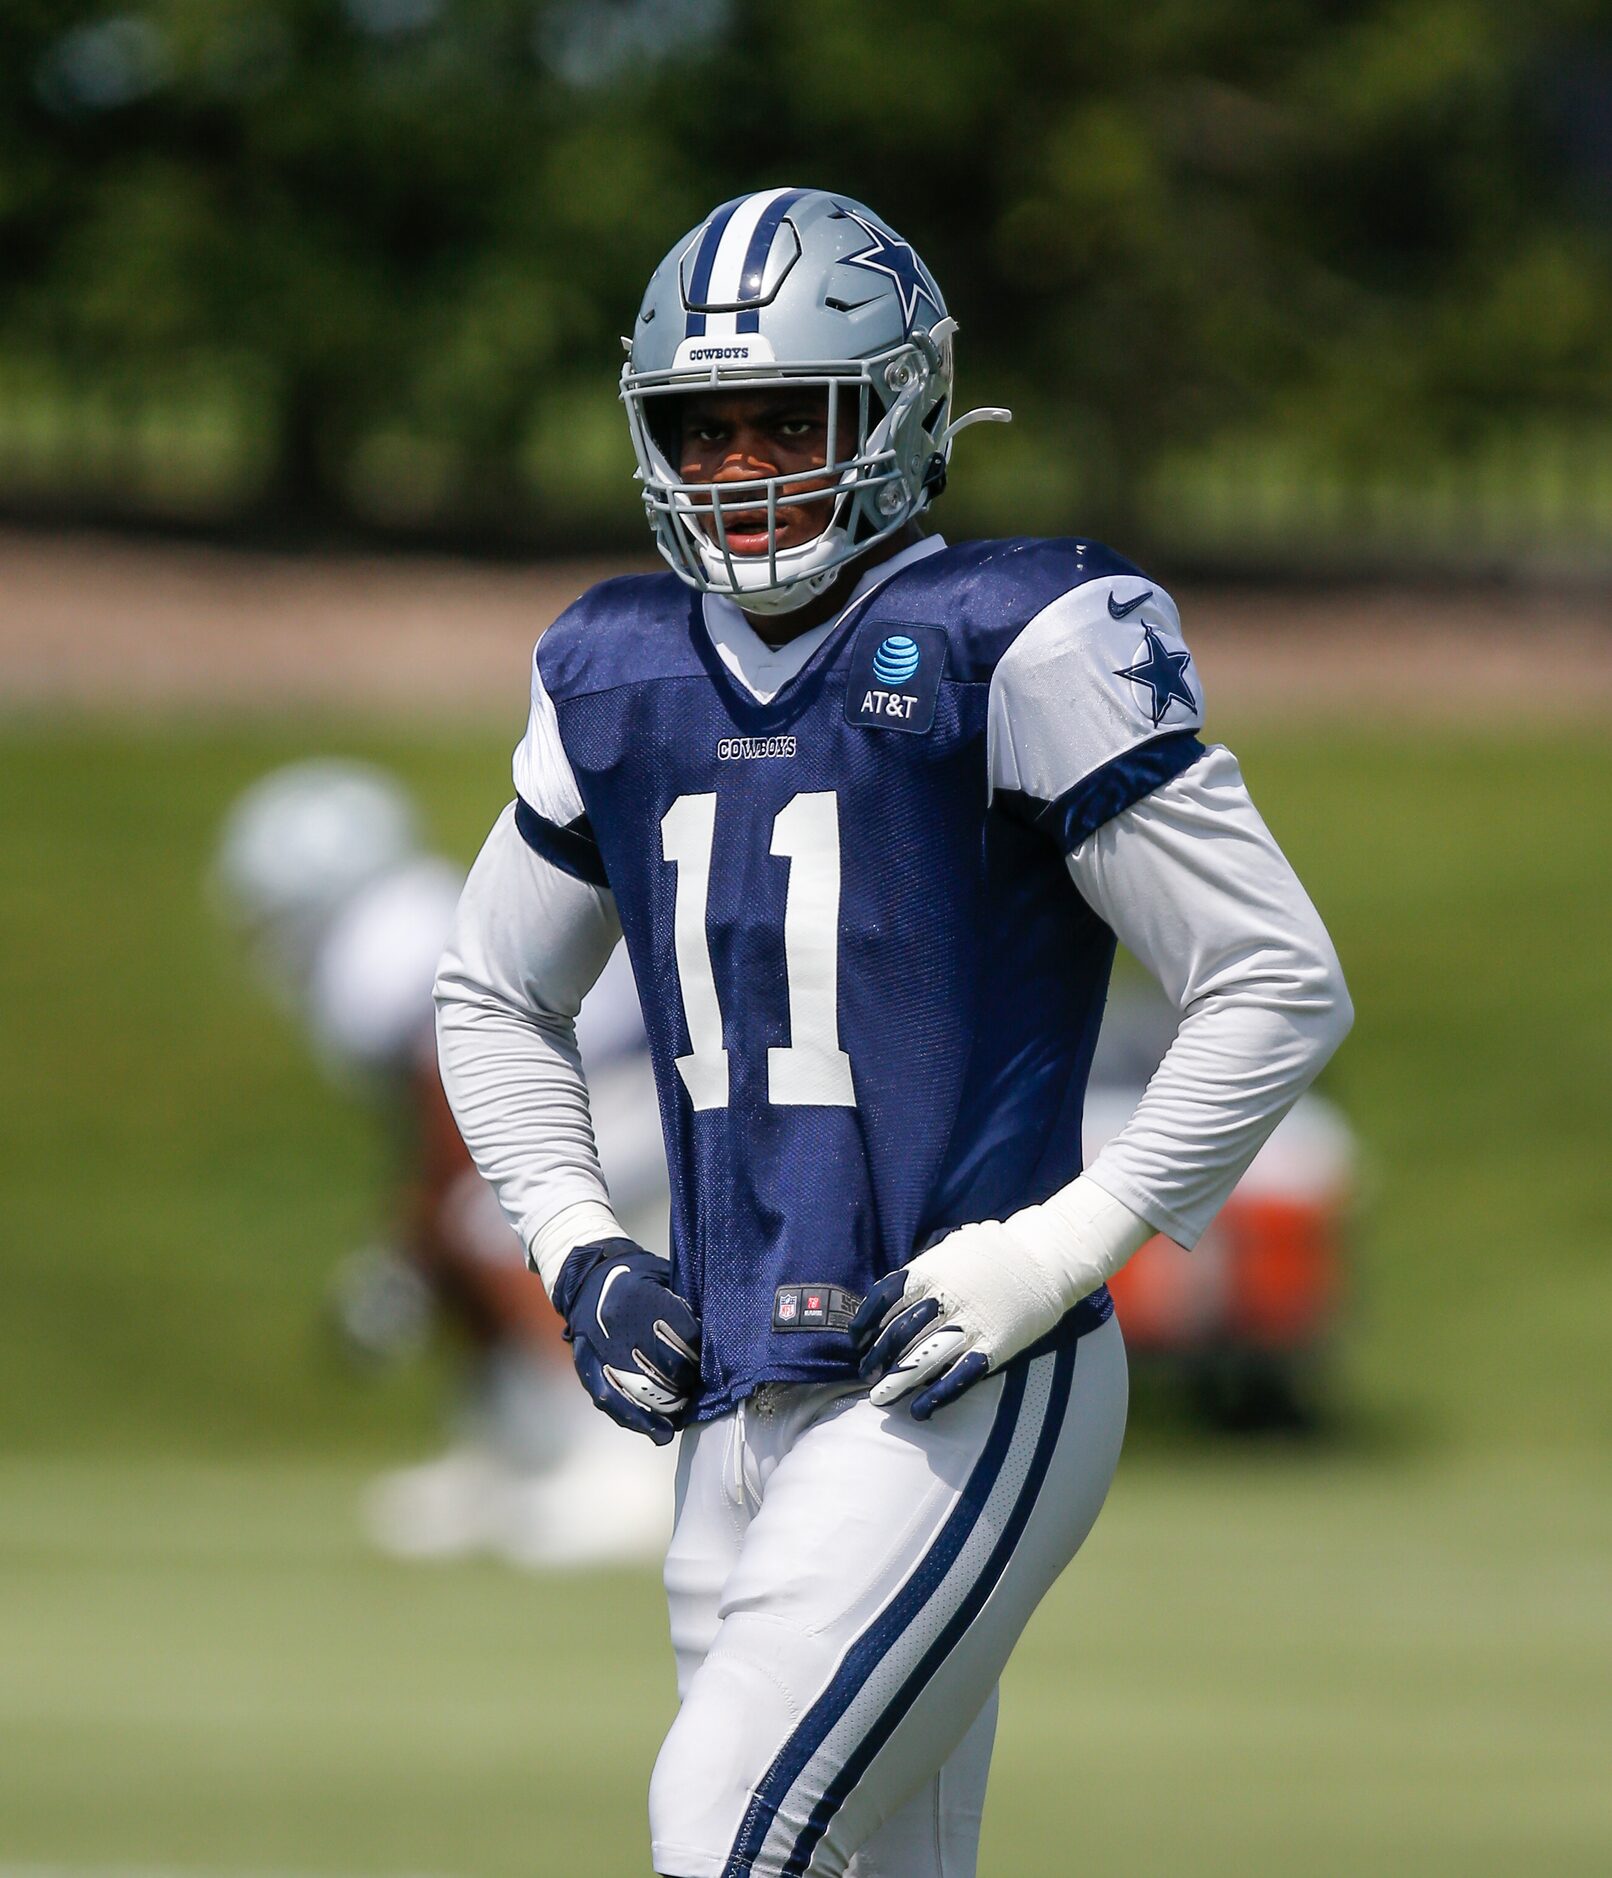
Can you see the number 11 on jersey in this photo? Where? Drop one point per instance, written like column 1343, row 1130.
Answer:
column 811, row 1069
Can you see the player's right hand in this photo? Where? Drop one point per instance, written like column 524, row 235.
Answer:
column 635, row 1342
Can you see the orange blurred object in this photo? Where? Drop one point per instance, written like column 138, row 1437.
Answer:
column 1268, row 1275
column 1244, row 1317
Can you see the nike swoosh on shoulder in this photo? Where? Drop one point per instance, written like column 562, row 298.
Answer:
column 1130, row 606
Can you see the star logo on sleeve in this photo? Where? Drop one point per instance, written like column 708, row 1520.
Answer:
column 1162, row 673
column 887, row 255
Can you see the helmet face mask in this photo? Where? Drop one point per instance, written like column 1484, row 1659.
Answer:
column 792, row 290
column 864, row 486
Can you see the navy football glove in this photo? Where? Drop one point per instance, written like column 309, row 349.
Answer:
column 635, row 1343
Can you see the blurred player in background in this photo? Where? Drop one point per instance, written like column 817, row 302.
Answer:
column 321, row 869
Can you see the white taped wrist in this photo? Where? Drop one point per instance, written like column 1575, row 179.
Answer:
column 1003, row 1284
column 1078, row 1239
column 585, row 1222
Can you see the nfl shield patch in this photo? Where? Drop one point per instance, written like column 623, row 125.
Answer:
column 813, row 1307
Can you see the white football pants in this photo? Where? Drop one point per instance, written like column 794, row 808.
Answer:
column 845, row 1586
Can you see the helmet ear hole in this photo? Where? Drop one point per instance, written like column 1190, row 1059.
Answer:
column 862, row 527
column 663, row 418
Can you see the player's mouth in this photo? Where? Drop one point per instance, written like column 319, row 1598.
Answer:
column 746, row 529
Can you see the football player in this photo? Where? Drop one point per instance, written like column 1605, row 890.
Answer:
column 322, row 870
column 871, row 811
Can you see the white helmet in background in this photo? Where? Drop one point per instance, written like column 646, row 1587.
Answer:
column 300, row 843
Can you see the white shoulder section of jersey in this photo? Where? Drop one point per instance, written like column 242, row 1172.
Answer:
column 370, row 992
column 544, row 779
column 1098, row 671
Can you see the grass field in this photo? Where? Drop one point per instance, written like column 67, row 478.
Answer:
column 1394, row 1655
column 1333, row 1668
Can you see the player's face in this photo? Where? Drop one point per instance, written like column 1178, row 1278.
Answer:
column 742, row 436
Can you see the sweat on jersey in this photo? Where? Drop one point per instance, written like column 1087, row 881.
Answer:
column 871, row 989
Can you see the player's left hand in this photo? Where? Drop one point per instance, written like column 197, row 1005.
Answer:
column 951, row 1316
column 635, row 1342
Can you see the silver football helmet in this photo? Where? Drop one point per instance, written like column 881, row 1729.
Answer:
column 794, row 287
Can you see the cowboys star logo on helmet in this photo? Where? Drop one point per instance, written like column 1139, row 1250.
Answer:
column 887, row 255
column 796, row 289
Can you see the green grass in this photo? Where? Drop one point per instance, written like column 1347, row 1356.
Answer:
column 1332, row 1669
column 1467, row 881
column 176, row 1181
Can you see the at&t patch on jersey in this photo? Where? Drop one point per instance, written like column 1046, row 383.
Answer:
column 813, row 1307
column 894, row 677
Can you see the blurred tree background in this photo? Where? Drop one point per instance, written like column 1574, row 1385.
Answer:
column 1269, row 283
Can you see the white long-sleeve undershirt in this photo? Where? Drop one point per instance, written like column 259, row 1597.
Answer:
column 527, row 945
column 1188, row 878
column 1191, row 881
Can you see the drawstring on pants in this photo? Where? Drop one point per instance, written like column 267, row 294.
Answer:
column 761, row 1405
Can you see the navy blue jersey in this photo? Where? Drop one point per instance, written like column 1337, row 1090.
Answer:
column 871, row 989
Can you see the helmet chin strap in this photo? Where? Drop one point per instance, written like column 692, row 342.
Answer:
column 788, row 599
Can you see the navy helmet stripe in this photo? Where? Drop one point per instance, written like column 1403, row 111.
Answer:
column 755, row 260
column 867, row 1749
column 878, row 1639
column 699, row 282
